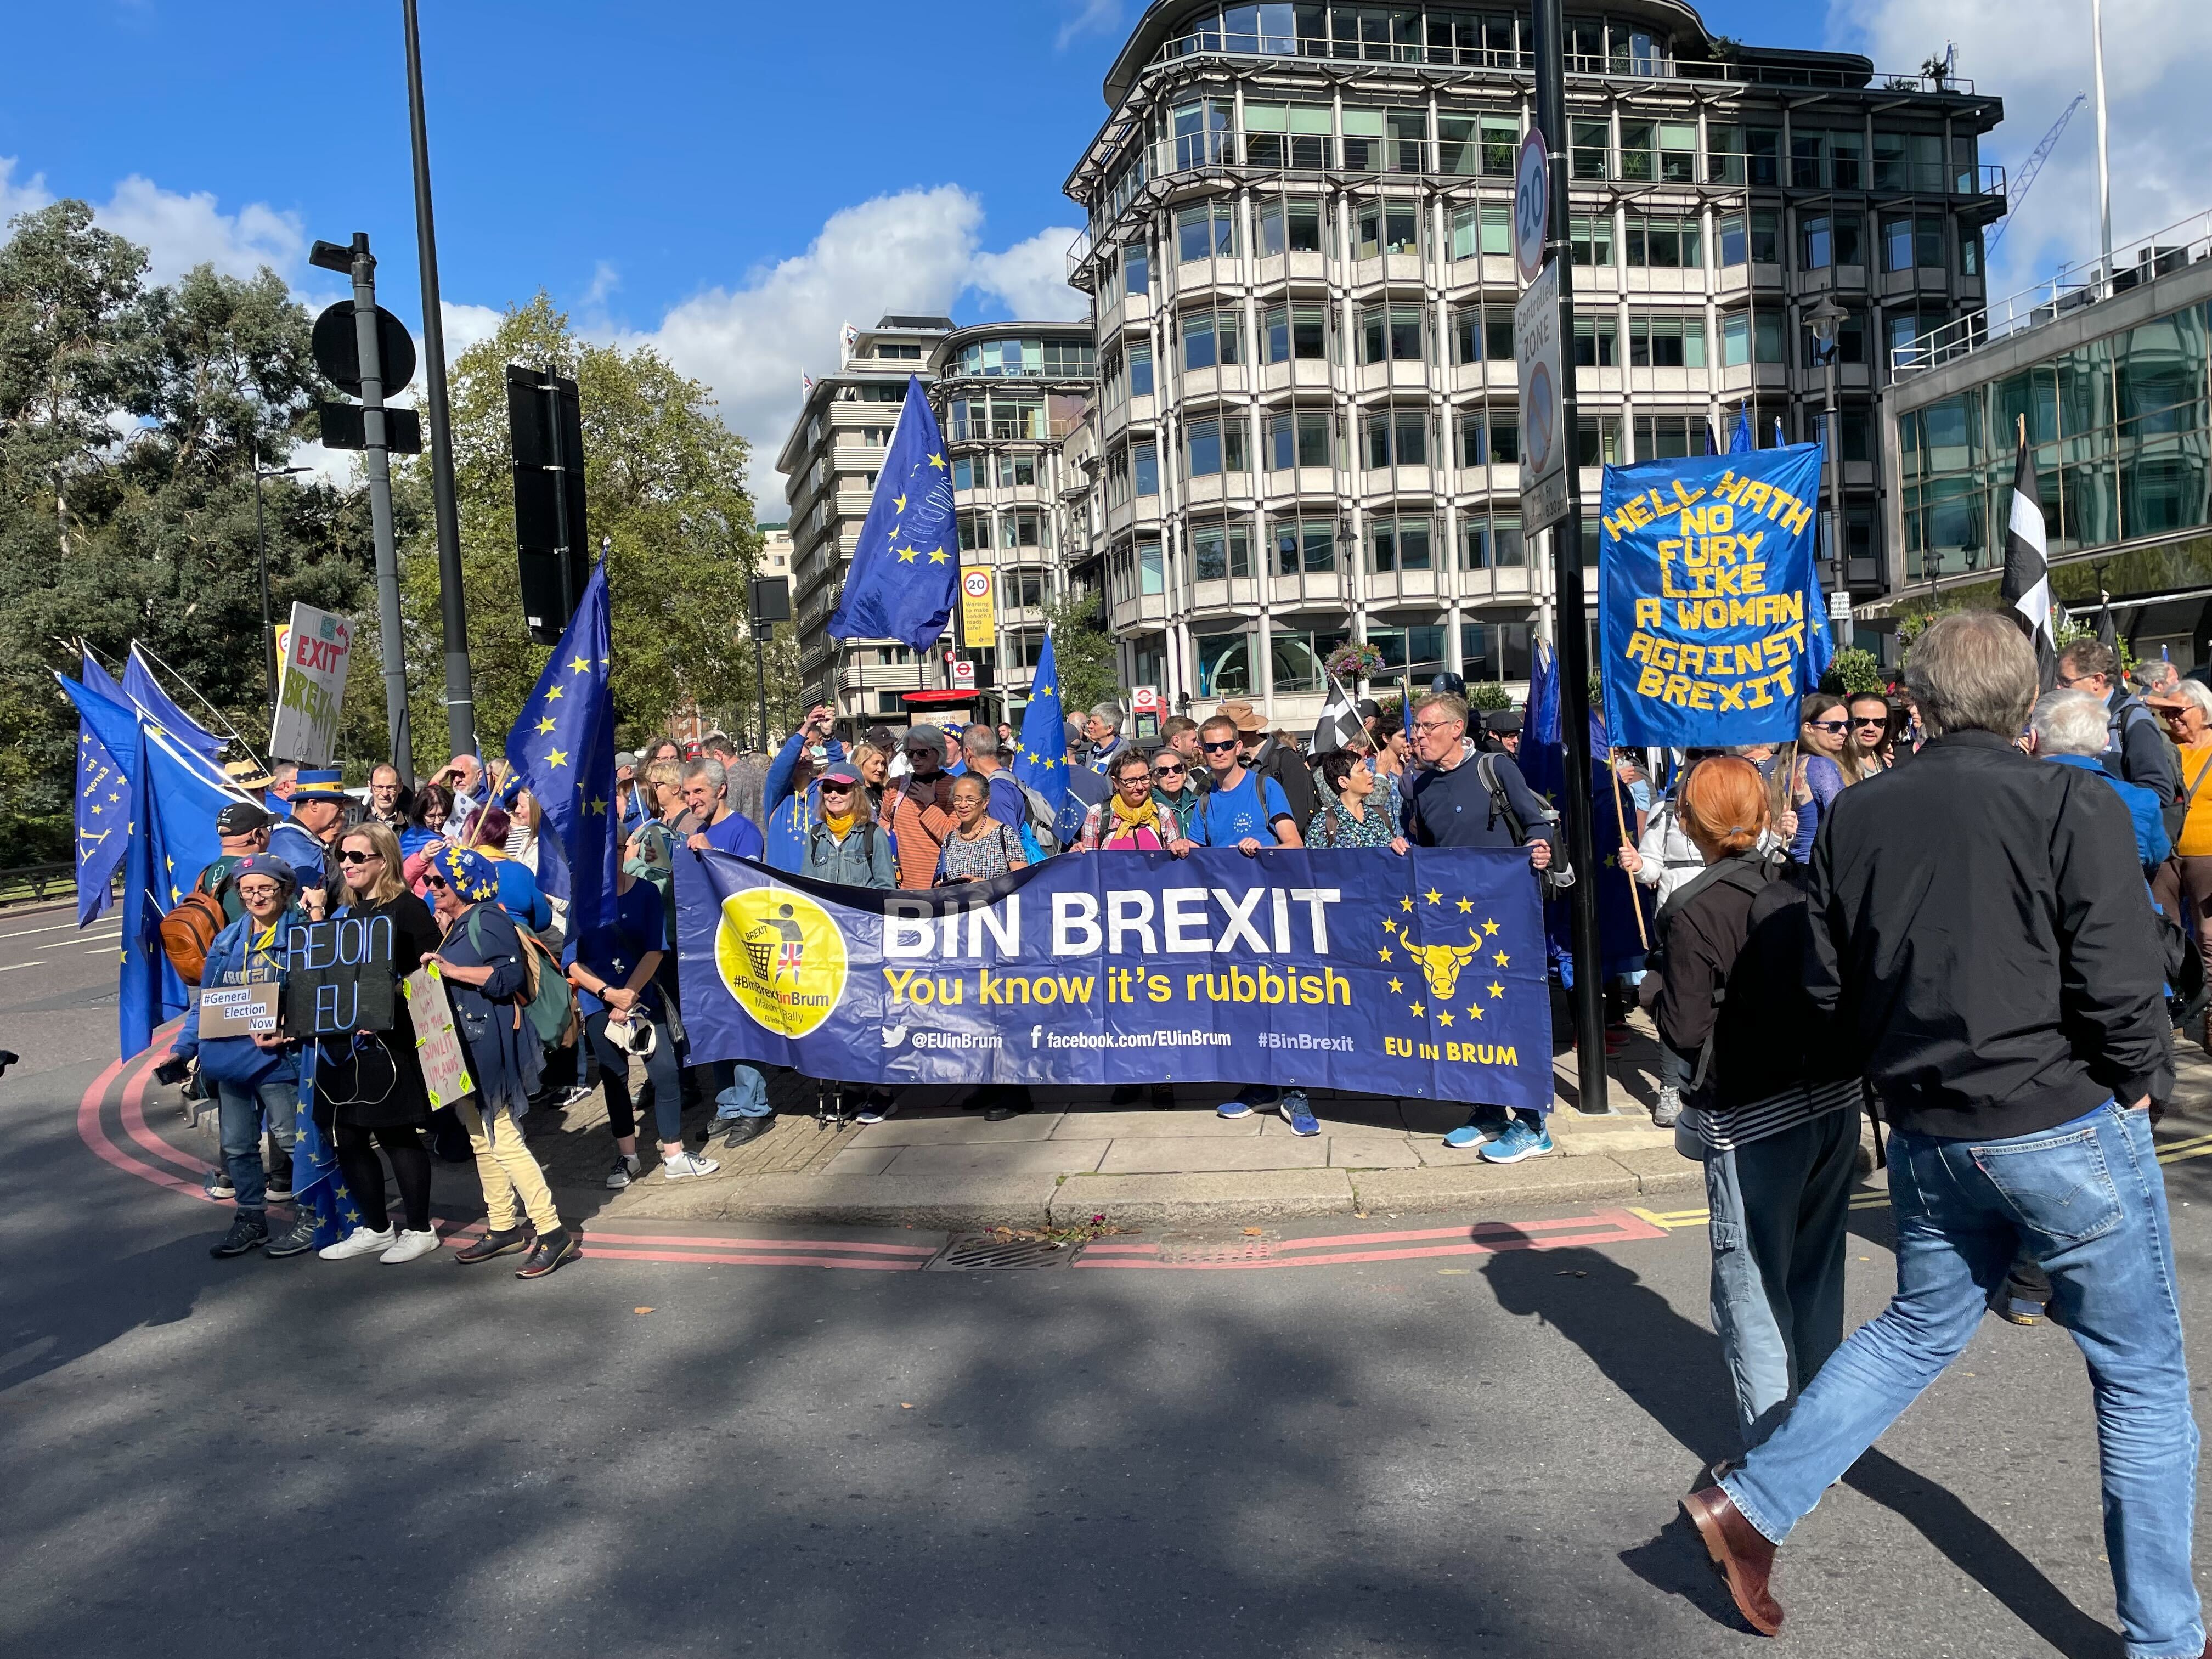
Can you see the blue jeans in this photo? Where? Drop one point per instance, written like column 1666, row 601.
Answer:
column 1779, row 1207
column 661, row 1087
column 239, row 1106
column 740, row 1090
column 2088, row 1201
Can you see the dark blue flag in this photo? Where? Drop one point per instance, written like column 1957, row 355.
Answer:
column 1042, row 761
column 563, row 748
column 1544, row 764
column 106, row 752
column 906, row 564
column 144, row 692
column 178, row 793
column 1740, row 441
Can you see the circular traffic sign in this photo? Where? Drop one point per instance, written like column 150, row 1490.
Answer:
column 337, row 350
column 1532, row 204
column 977, row 584
column 1542, row 403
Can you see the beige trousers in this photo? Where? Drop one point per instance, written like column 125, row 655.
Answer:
column 506, row 1169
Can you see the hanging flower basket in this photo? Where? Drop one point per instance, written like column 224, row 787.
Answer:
column 1355, row 660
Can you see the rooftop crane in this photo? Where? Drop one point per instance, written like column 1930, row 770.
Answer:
column 2032, row 167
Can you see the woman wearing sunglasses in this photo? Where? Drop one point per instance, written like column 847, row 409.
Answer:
column 368, row 1085
column 1819, row 774
column 1176, row 785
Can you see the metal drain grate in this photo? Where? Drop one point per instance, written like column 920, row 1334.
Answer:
column 989, row 1252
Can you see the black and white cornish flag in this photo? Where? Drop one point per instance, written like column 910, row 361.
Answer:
column 1339, row 725
column 2027, row 586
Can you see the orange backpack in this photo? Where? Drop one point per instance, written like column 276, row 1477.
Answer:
column 190, row 927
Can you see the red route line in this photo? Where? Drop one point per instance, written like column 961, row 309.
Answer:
column 94, row 1133
column 135, row 1125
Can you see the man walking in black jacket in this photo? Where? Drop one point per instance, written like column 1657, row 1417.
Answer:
column 1981, row 934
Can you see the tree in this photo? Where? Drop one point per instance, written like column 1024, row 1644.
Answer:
column 1082, row 653
column 664, row 480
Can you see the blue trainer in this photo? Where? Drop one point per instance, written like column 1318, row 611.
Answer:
column 1519, row 1141
column 1235, row 1106
column 1297, row 1113
column 1482, row 1128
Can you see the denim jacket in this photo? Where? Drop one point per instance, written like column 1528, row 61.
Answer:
column 234, row 958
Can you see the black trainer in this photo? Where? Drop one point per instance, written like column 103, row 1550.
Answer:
column 738, row 1131
column 249, row 1231
column 297, row 1239
column 552, row 1250
column 492, row 1244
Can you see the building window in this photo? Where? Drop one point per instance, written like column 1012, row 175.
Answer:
column 1474, row 445
column 1145, row 467
column 1140, row 370
column 1211, row 337
column 1663, row 437
column 1136, row 269
column 1495, row 651
column 1395, row 436
column 1756, row 237
column 975, row 533
column 1665, row 340
column 1970, row 251
column 1387, row 227
column 1480, row 332
column 1025, row 590
column 1850, row 341
column 1591, row 238
column 1296, row 135
column 1484, row 230
column 1201, row 133
column 1296, row 656
column 1598, row 440
column 1214, row 445
column 1289, row 227
column 1490, row 541
column 1303, row 544
column 1398, row 543
column 1389, row 334
column 1017, row 470
column 1225, row 665
column 1658, row 152
column 1299, row 438
column 1665, row 243
column 1418, row 650
column 1025, row 527
column 1299, row 331
column 1504, row 423
column 964, row 472
column 1207, row 231
column 1151, row 574
column 1743, row 334
column 1592, row 140
column 1218, row 552
column 1597, row 341
column 1814, row 249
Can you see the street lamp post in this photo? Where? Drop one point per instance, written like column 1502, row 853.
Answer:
column 268, row 622
column 1825, row 319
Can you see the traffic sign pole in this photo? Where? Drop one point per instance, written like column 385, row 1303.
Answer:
column 376, row 458
column 1570, row 629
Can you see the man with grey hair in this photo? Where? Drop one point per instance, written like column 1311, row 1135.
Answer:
column 985, row 762
column 1103, row 731
column 742, row 1112
column 1983, row 941
column 2069, row 727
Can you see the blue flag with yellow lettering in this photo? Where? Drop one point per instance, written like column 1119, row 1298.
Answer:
column 563, row 748
column 107, row 753
column 906, row 563
column 1710, row 607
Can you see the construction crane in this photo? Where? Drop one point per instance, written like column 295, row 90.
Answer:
column 2032, row 167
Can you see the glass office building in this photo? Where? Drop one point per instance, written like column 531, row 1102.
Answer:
column 1299, row 248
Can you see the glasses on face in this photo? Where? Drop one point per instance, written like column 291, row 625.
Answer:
column 436, row 883
column 1166, row 771
column 350, row 856
column 1432, row 726
column 836, row 788
column 1871, row 725
column 1826, row 726
column 258, row 890
column 1222, row 747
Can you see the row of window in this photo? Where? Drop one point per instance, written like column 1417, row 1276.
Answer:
column 1020, row 527
column 1038, row 357
column 1011, row 471
column 1296, row 654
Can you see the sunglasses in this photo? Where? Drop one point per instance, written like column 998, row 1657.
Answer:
column 836, row 788
column 1166, row 771
column 438, row 882
column 1872, row 726
column 1826, row 725
column 349, row 856
column 1223, row 747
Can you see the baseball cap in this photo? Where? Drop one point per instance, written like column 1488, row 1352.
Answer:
column 242, row 818
column 626, row 757
column 841, row 772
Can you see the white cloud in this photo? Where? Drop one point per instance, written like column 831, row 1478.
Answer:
column 179, row 231
column 605, row 279
column 916, row 252
column 466, row 326
column 28, row 196
column 1089, row 17
column 2035, row 54
column 1031, row 277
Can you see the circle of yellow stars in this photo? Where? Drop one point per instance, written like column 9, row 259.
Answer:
column 1398, row 930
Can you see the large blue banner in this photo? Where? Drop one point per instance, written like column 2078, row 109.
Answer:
column 1713, row 622
column 1421, row 974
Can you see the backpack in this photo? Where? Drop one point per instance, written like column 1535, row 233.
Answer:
column 548, row 999
column 1561, row 873
column 2130, row 713
column 1040, row 839
column 192, row 923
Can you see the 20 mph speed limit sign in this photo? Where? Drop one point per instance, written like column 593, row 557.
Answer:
column 1544, row 438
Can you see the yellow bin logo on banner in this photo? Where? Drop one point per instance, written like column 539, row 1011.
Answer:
column 782, row 956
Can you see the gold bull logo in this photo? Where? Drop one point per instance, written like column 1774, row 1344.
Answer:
column 1440, row 963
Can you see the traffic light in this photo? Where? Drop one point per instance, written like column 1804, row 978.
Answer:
column 546, row 424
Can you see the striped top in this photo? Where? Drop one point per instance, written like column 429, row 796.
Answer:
column 1724, row 1131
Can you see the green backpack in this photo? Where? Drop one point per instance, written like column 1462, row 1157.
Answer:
column 549, row 1001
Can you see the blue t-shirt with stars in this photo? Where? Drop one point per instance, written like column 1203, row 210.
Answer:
column 1228, row 816
column 635, row 925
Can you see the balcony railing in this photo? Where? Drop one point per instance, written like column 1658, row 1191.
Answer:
column 2069, row 289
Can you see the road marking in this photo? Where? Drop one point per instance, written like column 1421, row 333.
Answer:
column 25, row 932
column 37, row 962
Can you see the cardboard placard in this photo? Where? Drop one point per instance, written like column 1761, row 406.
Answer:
column 338, row 976
column 445, row 1057
column 236, row 1010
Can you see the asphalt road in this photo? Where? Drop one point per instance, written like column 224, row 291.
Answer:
column 1476, row 1454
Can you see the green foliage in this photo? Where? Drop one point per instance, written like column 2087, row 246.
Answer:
column 1488, row 695
column 663, row 477
column 2071, row 631
column 1853, row 672
column 1082, row 653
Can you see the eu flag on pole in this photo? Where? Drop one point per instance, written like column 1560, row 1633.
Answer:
column 144, row 692
column 906, row 563
column 563, row 748
column 1042, row 761
column 179, row 791
column 107, row 753
column 1741, row 441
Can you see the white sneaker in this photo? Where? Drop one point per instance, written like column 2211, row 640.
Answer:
column 625, row 1170
column 687, row 1164
column 360, row 1242
column 410, row 1245
column 1668, row 1110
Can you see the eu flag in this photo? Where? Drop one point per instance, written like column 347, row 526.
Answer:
column 907, row 561
column 178, row 793
column 1740, row 441
column 144, row 692
column 1042, row 763
column 563, row 748
column 107, row 753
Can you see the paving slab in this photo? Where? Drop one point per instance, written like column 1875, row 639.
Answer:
column 1009, row 1158
column 1473, row 1182
column 1372, row 1152
column 1665, row 1170
column 1152, row 1200
column 862, row 1161
column 967, row 1128
column 950, row 1202
column 1194, row 1154
column 1155, row 1126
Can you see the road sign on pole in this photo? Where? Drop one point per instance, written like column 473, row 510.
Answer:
column 1532, row 204
column 1544, row 439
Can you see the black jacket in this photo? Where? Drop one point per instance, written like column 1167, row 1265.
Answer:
column 1278, row 760
column 1455, row 808
column 1981, row 931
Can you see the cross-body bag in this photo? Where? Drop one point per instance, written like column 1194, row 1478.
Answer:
column 1561, row 873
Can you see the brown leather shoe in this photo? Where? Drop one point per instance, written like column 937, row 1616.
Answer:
column 1741, row 1553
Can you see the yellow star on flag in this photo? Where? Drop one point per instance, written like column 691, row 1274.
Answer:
column 1474, row 1010
column 938, row 461
column 552, row 692
column 557, row 758
column 598, row 805
column 1036, row 691
column 1404, row 904
column 1418, row 1011
column 579, row 664
column 1394, row 983
column 1433, row 896
column 1389, row 924
column 546, row 724
column 1383, row 954
column 1496, row 990
column 906, row 554
column 1466, row 907
column 899, row 502
column 1489, row 927
column 937, row 555
column 1443, row 1017
column 1501, row 960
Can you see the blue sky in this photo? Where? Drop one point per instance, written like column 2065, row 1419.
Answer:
column 729, row 182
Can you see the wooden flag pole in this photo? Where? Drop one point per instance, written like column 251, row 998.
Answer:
column 1620, row 812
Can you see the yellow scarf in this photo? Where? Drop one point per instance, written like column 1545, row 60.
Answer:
column 1128, row 819
column 840, row 827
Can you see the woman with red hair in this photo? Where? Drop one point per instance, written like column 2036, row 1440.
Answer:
column 1771, row 1114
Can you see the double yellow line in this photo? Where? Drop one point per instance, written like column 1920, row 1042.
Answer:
column 2173, row 1152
